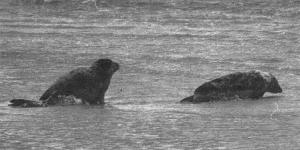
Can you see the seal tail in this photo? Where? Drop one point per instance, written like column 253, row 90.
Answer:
column 187, row 99
column 25, row 103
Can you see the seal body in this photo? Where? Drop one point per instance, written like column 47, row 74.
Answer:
column 251, row 84
column 87, row 84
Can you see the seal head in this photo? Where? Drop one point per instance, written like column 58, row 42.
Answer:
column 274, row 86
column 105, row 66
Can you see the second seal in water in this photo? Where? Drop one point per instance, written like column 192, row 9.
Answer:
column 251, row 84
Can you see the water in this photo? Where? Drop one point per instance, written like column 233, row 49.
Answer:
column 166, row 49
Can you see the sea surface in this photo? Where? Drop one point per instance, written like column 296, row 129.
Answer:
column 166, row 49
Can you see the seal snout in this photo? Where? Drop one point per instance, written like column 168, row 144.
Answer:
column 115, row 66
column 277, row 90
column 274, row 86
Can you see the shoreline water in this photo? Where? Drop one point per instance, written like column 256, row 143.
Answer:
column 165, row 52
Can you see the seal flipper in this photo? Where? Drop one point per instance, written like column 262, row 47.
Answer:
column 25, row 103
column 187, row 99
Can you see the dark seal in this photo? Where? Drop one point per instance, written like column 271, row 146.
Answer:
column 87, row 84
column 243, row 85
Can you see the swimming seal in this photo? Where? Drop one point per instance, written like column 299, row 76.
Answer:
column 87, row 84
column 252, row 84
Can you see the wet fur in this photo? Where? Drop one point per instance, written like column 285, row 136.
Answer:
column 87, row 84
column 252, row 84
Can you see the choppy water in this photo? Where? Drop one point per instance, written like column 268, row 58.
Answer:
column 166, row 49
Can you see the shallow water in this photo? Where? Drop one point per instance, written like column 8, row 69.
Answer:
column 166, row 49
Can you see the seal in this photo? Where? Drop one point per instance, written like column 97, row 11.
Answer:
column 87, row 84
column 252, row 84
